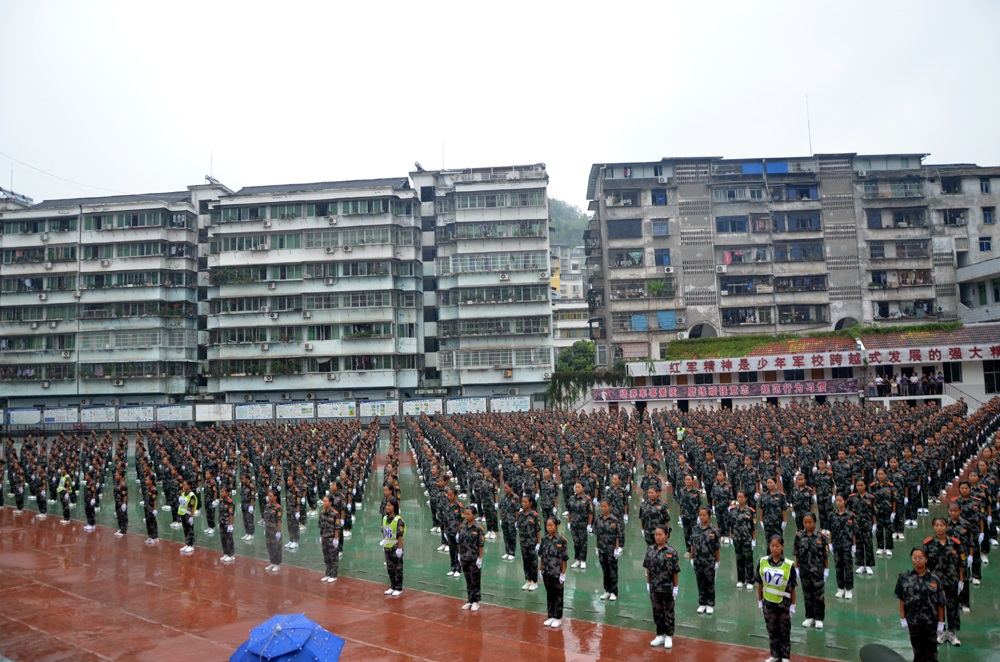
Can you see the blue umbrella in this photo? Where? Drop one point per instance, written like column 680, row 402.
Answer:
column 289, row 638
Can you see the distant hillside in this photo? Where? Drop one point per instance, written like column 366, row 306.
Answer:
column 569, row 223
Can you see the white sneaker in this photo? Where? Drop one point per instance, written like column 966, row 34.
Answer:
column 605, row 595
column 223, row 558
column 147, row 541
column 953, row 639
column 288, row 545
column 749, row 586
column 701, row 609
column 658, row 641
column 324, row 579
column 839, row 593
column 819, row 625
column 849, row 595
column 295, row 545
column 739, row 584
column 575, row 564
column 976, row 582
column 612, row 597
column 388, row 591
column 275, row 568
column 209, row 531
column 966, row 610
column 772, row 659
column 548, row 622
column 888, row 553
column 467, row 606
column 533, row 586
column 583, row 565
column 668, row 642
column 986, row 560
column 942, row 637
column 347, row 534
column 861, row 570
column 709, row 609
column 396, row 594
column 880, row 552
column 556, row 622
column 268, row 567
column 869, row 570
column 808, row 623
column 475, row 606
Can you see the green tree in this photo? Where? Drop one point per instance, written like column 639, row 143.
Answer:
column 579, row 356
column 569, row 223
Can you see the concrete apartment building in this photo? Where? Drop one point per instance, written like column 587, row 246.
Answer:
column 699, row 247
column 370, row 289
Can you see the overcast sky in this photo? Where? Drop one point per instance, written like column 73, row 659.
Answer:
column 138, row 96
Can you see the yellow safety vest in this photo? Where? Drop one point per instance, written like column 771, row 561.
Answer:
column 775, row 580
column 190, row 502
column 389, row 531
column 64, row 484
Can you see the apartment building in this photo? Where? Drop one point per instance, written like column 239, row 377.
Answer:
column 699, row 247
column 99, row 296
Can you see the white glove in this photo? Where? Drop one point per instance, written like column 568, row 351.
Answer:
column 680, row 521
column 277, row 535
column 229, row 529
column 215, row 504
column 940, row 627
column 874, row 526
column 854, row 550
column 354, row 491
column 336, row 543
column 692, row 563
column 250, row 509
column 918, row 488
column 903, row 622
column 625, row 518
column 562, row 578
column 791, row 609
column 315, row 489
column 674, row 592
column 596, row 502
column 597, row 550
column 906, row 501
column 716, row 566
column 302, row 501
column 590, row 530
column 93, row 502
column 124, row 507
column 753, row 543
column 783, row 525
column 618, row 552
column 892, row 517
column 537, row 495
column 496, row 506
column 961, row 586
column 760, row 605
column 968, row 560
column 647, row 587
column 833, row 498
column 479, row 563
column 342, row 523
column 296, row 516
column 191, row 521
column 980, row 535
column 538, row 547
column 399, row 552
column 826, row 574
column 555, row 511
column 814, row 499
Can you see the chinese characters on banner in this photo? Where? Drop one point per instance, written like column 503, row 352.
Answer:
column 752, row 390
column 906, row 356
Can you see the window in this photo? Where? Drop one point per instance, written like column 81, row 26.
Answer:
column 841, row 373
column 657, row 171
column 748, row 377
column 981, row 291
column 807, row 251
column 731, row 224
column 704, row 379
column 798, row 222
column 662, row 257
column 953, row 372
column 796, row 375
column 985, row 244
column 630, row 228
column 984, row 184
column 661, row 227
column 991, row 375
column 737, row 194
column 426, row 194
column 989, row 215
column 996, row 290
column 954, row 216
column 802, row 192
column 951, row 185
column 286, row 211
column 876, row 250
column 874, row 219
column 659, row 197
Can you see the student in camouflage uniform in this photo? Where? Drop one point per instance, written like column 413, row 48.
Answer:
column 451, row 520
column 812, row 562
column 961, row 530
column 548, row 494
column 610, row 543
column 772, row 506
column 884, row 493
column 272, row 530
column 719, row 499
column 823, row 481
column 121, row 504
column 508, row 505
column 744, row 523
column 652, row 513
column 149, row 510
column 946, row 559
column 552, row 557
column 843, row 545
column 210, row 501
column 776, row 580
column 911, row 487
column 974, row 512
column 704, row 551
column 294, row 502
column 862, row 504
column 529, row 531
column 921, row 607
column 618, row 498
column 90, row 501
column 227, row 514
column 471, row 540
column 802, row 498
column 662, row 564
column 329, row 529
column 581, row 519
column 689, row 501
column 246, row 507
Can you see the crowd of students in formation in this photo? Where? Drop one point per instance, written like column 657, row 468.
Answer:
column 849, row 480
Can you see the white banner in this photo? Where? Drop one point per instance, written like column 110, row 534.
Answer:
column 429, row 406
column 510, row 403
column 213, row 413
column 97, row 415
column 344, row 409
column 24, row 417
column 261, row 411
column 174, row 413
column 141, row 414
column 466, row 405
column 61, row 415
column 380, row 408
column 291, row 410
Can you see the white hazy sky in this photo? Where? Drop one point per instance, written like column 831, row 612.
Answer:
column 140, row 96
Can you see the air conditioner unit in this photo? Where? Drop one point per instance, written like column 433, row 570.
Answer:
column 508, row 374
column 940, row 309
column 663, row 180
column 266, row 224
column 348, row 249
column 720, row 268
column 307, row 314
column 77, row 293
column 308, row 347
column 274, row 316
column 272, row 285
column 115, row 402
column 333, row 376
column 547, row 375
column 264, row 347
column 542, row 275
column 48, row 265
column 265, row 309
column 105, row 263
column 723, row 293
column 45, row 236
column 247, row 398
column 504, row 276
column 330, row 249
column 862, row 173
column 680, row 319
column 119, row 382
column 286, row 396
column 66, row 353
column 683, row 335
column 310, row 396
column 268, row 379
column 390, row 394
column 668, row 270
column 348, row 395
column 34, row 325
column 333, row 220
column 85, row 402
column 512, row 391
column 45, row 384
column 43, row 296
column 540, row 297
column 330, row 281
column 53, row 324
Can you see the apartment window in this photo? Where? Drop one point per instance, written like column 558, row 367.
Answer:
column 662, row 256
column 874, row 219
column 984, row 184
column 657, row 171
column 796, row 375
column 951, row 185
column 981, row 291
column 985, row 244
column 841, row 373
column 748, row 377
column 989, row 215
column 991, row 374
column 731, row 224
column 704, row 379
column 952, row 372
column 630, row 228
column 954, row 216
column 661, row 227
column 426, row 194
column 904, row 162
column 876, row 250
column 659, row 196
column 798, row 222
column 996, row 290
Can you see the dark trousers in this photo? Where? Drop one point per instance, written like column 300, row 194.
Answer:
column 331, row 555
column 248, row 524
column 473, row 579
column 228, row 547
column 923, row 638
column 579, row 543
column 844, row 568
column 187, row 522
column 866, row 553
column 964, row 594
column 663, row 612
column 911, row 508
column 825, row 511
column 705, row 577
column 293, row 528
column 122, row 517
column 509, row 538
column 553, row 596
column 19, row 499
column 65, row 505
column 812, row 595
column 273, row 546
column 491, row 518
column 951, row 608
column 43, row 505
column 779, row 629
column 977, row 559
column 884, row 533
column 452, row 539
column 744, row 561
column 210, row 514
column 394, row 566
column 152, row 530
column 88, row 511
column 648, row 537
column 897, row 525
column 687, row 523
column 529, row 561
column 772, row 529
column 609, row 568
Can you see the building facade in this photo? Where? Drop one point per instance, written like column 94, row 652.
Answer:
column 702, row 247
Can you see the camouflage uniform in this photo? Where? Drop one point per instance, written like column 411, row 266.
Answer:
column 618, row 498
column 719, row 497
column 921, row 597
column 704, row 548
column 452, row 518
column 843, row 533
column 329, row 532
column 471, row 540
column 771, row 506
column 776, row 615
column 884, row 495
column 811, row 558
column 974, row 512
column 864, row 509
column 843, row 476
column 802, row 502
column 509, row 505
column 581, row 510
column 962, row 531
column 824, row 484
column 610, row 534
column 689, row 502
column 553, row 554
column 947, row 561
column 528, row 528
column 744, row 522
column 651, row 515
column 548, row 496
column 661, row 564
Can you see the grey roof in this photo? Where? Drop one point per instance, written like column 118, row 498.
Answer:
column 171, row 198
column 395, row 183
